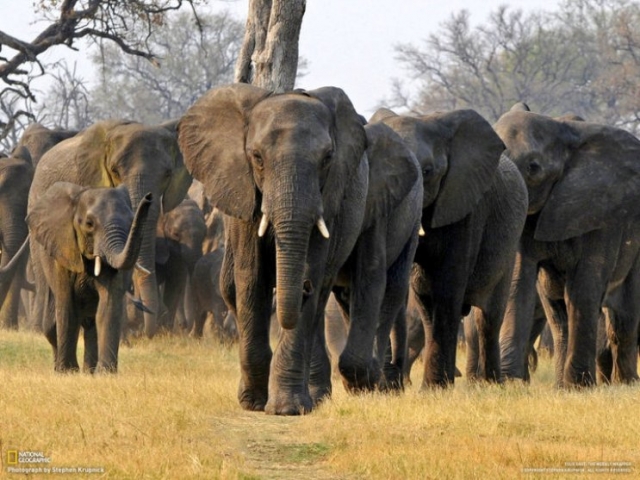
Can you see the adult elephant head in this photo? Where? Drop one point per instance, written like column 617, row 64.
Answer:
column 458, row 154
column 146, row 159
column 289, row 172
column 38, row 139
column 278, row 158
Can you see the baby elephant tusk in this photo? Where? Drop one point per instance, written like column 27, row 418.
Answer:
column 264, row 224
column 97, row 267
column 421, row 232
column 322, row 227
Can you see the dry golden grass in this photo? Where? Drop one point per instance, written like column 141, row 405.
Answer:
column 172, row 413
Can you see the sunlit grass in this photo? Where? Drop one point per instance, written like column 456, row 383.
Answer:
column 171, row 412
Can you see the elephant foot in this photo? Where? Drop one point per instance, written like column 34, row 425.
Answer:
column 358, row 377
column 392, row 380
column 289, row 404
column 319, row 393
column 438, row 379
column 252, row 399
column 578, row 380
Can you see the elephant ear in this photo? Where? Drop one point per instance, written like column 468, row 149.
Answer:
column 212, row 139
column 393, row 171
column 50, row 221
column 350, row 144
column 600, row 184
column 92, row 148
column 473, row 157
column 181, row 179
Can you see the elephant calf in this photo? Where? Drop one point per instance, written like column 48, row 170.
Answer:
column 85, row 239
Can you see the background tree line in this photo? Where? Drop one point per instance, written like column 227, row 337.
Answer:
column 582, row 58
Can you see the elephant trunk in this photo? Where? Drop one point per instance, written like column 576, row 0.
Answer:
column 144, row 276
column 123, row 254
column 291, row 253
column 296, row 209
column 7, row 271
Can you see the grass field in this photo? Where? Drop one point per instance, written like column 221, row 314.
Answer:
column 171, row 412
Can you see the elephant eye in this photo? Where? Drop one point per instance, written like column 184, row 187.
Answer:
column 326, row 159
column 257, row 158
column 426, row 171
column 533, row 168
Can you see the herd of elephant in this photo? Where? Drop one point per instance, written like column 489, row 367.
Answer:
column 437, row 217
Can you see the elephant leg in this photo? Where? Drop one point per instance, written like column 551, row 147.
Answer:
column 174, row 289
column 359, row 368
column 67, row 328
column 90, row 335
column 473, row 346
column 247, row 291
column 393, row 319
column 397, row 353
column 320, row 371
column 108, row 320
column 518, row 319
column 583, row 308
column 415, row 333
column 623, row 330
column 604, row 357
column 489, row 321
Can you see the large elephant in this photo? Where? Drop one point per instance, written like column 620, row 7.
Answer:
column 373, row 285
column 289, row 172
column 38, row 139
column 580, row 242
column 474, row 208
column 86, row 240
column 16, row 174
column 111, row 153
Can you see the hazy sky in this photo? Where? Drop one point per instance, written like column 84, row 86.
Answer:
column 347, row 43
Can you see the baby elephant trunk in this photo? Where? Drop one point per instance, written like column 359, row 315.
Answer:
column 124, row 256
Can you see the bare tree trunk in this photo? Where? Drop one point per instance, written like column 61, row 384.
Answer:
column 269, row 55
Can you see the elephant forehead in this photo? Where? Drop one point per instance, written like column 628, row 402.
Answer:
column 136, row 139
column 291, row 112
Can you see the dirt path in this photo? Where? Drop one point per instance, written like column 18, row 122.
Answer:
column 271, row 449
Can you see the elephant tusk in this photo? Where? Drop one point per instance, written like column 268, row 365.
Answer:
column 264, row 224
column 97, row 268
column 322, row 227
column 421, row 232
column 142, row 269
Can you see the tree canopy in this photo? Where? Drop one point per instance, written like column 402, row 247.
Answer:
column 192, row 62
column 583, row 58
column 126, row 24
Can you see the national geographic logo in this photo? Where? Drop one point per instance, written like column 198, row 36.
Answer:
column 18, row 457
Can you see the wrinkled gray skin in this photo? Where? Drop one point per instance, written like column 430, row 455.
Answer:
column 178, row 248
column 111, row 153
column 291, row 159
column 373, row 285
column 206, row 297
column 38, row 139
column 474, row 207
column 70, row 227
column 16, row 174
column 580, row 243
